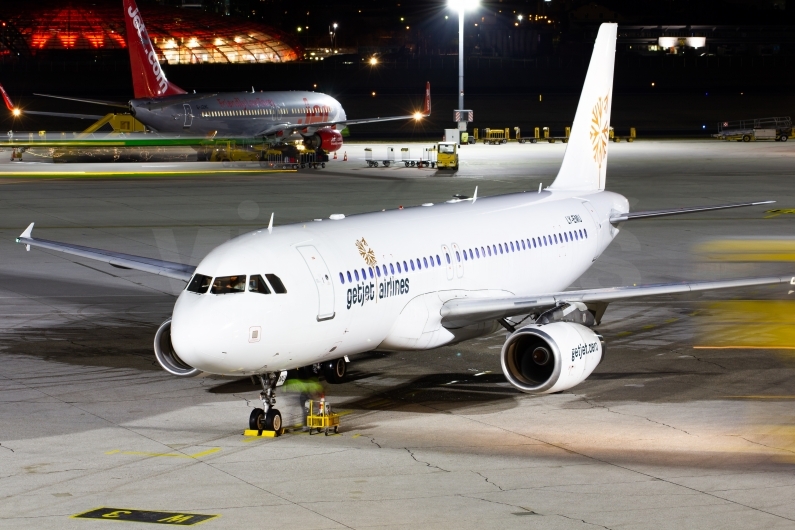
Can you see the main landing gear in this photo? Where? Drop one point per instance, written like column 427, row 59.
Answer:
column 267, row 418
column 335, row 371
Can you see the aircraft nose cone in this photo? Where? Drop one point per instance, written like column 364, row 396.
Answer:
column 205, row 334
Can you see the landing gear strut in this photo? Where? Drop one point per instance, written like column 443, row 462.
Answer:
column 267, row 418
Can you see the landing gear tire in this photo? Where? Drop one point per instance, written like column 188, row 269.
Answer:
column 273, row 420
column 268, row 418
column 256, row 422
column 335, row 371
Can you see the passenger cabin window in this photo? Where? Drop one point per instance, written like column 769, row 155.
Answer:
column 229, row 285
column 257, row 285
column 276, row 283
column 199, row 284
column 342, row 279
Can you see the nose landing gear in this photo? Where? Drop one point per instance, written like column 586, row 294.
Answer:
column 267, row 418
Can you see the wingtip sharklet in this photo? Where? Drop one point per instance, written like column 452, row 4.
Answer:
column 27, row 233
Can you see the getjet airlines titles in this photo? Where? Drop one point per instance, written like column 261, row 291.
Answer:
column 415, row 278
column 311, row 117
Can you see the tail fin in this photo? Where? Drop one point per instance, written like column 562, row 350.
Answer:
column 585, row 162
column 427, row 109
column 7, row 99
column 149, row 81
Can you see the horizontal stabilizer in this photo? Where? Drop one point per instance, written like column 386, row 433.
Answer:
column 64, row 115
column 676, row 211
column 83, row 100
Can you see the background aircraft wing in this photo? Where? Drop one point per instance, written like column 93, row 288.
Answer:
column 462, row 312
column 170, row 269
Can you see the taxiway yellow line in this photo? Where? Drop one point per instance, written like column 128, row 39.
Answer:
column 169, row 455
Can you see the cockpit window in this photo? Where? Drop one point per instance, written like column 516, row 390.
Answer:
column 229, row 285
column 257, row 285
column 199, row 284
column 276, row 283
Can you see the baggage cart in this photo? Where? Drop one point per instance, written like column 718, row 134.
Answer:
column 321, row 417
column 371, row 162
column 776, row 128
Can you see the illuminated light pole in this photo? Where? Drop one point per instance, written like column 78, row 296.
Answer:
column 461, row 6
column 332, row 32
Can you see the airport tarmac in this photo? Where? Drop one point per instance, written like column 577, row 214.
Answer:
column 665, row 433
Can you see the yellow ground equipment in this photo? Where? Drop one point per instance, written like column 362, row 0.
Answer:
column 526, row 139
column 229, row 151
column 321, row 417
column 495, row 136
column 120, row 123
column 447, row 155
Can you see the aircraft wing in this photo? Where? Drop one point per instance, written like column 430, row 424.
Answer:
column 294, row 127
column 462, row 312
column 169, row 269
column 63, row 115
column 426, row 111
column 631, row 216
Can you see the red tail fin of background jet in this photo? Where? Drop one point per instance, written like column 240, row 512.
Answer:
column 428, row 98
column 7, row 99
column 149, row 81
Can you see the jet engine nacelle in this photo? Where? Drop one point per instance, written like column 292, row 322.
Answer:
column 542, row 359
column 327, row 139
column 167, row 357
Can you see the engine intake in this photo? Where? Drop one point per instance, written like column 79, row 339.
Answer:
column 542, row 359
column 167, row 357
column 327, row 139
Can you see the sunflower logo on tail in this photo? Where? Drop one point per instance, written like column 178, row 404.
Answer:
column 600, row 130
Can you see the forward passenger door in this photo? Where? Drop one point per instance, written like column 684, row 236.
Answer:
column 322, row 277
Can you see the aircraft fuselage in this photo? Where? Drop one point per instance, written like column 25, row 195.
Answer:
column 241, row 114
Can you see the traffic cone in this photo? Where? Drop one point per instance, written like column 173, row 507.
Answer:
column 345, row 157
column 335, row 155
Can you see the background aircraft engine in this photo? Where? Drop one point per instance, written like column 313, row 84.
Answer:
column 542, row 359
column 328, row 139
column 167, row 357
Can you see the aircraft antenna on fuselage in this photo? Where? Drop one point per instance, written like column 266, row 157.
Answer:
column 270, row 224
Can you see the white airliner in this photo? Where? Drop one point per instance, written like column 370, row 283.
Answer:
column 415, row 278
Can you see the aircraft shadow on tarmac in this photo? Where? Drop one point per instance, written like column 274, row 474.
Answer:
column 429, row 393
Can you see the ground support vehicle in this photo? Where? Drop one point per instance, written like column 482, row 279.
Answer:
column 616, row 139
column 229, row 151
column 447, row 155
column 390, row 157
column 527, row 139
column 777, row 128
column 428, row 158
column 311, row 159
column 281, row 159
column 495, row 136
column 320, row 416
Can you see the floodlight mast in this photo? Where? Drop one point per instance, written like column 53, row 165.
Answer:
column 461, row 6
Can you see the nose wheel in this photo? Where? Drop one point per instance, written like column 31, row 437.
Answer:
column 265, row 421
column 268, row 418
